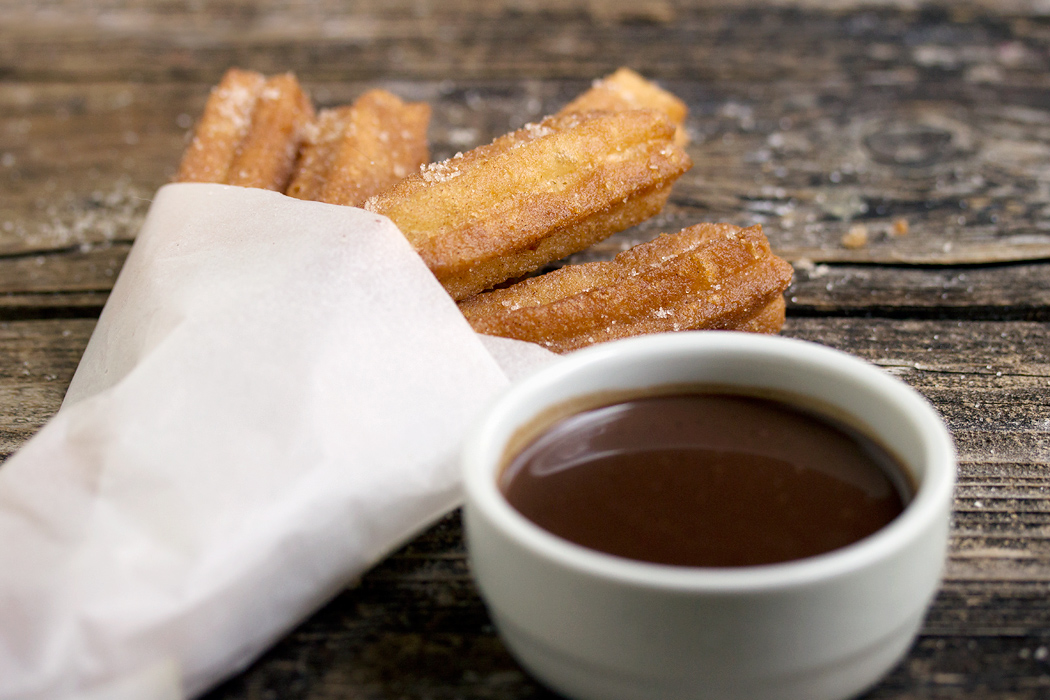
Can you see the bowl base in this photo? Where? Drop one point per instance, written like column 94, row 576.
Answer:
column 580, row 680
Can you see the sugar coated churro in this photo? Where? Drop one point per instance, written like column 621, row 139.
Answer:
column 267, row 155
column 769, row 319
column 352, row 153
column 250, row 132
column 625, row 89
column 535, row 195
column 223, row 126
column 603, row 163
column 709, row 276
column 321, row 140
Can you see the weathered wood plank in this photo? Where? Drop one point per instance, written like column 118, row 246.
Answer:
column 895, row 119
column 100, row 196
column 82, row 268
column 76, row 281
column 990, row 380
column 78, row 164
column 919, row 180
column 992, row 385
column 37, row 361
column 925, row 129
column 415, row 625
column 1004, row 292
column 438, row 39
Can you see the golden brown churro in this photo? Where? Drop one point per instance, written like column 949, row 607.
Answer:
column 605, row 162
column 353, row 153
column 535, row 195
column 769, row 319
column 320, row 141
column 625, row 89
column 267, row 155
column 709, row 276
column 223, row 126
column 250, row 132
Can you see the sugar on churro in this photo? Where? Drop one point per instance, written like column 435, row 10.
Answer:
column 352, row 153
column 603, row 163
column 708, row 276
column 250, row 132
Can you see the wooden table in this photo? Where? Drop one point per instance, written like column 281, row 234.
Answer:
column 899, row 158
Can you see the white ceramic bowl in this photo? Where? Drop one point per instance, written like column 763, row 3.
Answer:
column 595, row 626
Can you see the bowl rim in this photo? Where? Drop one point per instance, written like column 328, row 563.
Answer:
column 483, row 449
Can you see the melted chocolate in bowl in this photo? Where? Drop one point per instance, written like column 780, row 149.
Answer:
column 706, row 479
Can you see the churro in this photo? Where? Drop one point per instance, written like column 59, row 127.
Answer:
column 321, row 140
column 267, row 155
column 769, row 319
column 250, row 132
column 602, row 164
column 352, row 153
column 625, row 89
column 709, row 276
column 535, row 195
column 223, row 126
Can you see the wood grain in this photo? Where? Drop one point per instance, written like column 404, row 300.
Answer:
column 37, row 361
column 895, row 119
column 1004, row 292
column 923, row 128
column 415, row 626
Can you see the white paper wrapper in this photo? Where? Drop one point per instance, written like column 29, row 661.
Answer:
column 271, row 402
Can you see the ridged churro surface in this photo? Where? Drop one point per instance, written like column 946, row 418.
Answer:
column 382, row 140
column 267, row 155
column 321, row 139
column 769, row 319
column 535, row 195
column 709, row 276
column 625, row 89
column 221, row 129
column 250, row 132
column 602, row 164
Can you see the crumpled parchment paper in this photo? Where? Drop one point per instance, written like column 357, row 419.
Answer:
column 272, row 401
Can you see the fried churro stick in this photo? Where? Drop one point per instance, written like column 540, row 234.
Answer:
column 223, row 126
column 320, row 141
column 353, row 153
column 267, row 155
column 625, row 89
column 709, row 276
column 535, row 195
column 769, row 319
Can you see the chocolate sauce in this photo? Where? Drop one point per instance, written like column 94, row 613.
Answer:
column 706, row 479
